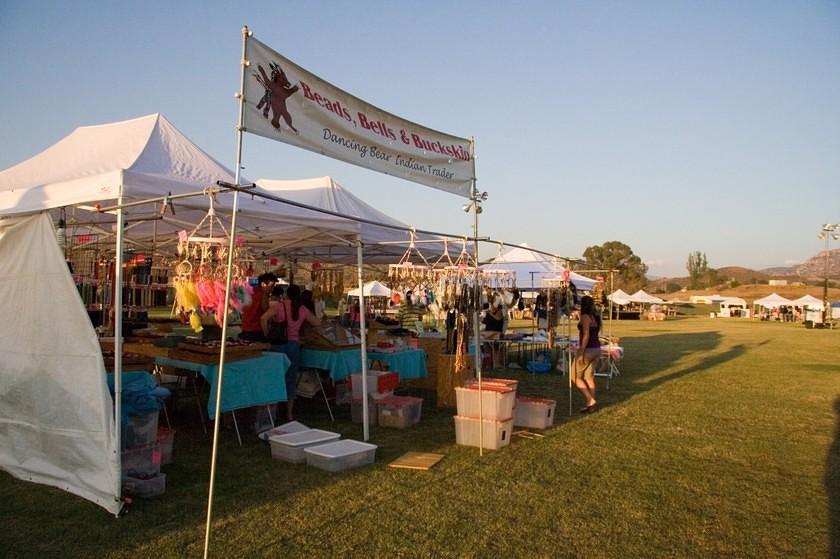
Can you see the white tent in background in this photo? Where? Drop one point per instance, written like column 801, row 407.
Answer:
column 530, row 268
column 641, row 296
column 619, row 297
column 808, row 301
column 773, row 301
column 372, row 289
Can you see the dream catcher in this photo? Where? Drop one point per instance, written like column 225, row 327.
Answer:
column 201, row 272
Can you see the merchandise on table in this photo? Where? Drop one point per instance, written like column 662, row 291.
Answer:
column 341, row 455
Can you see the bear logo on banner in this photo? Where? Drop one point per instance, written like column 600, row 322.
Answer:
column 277, row 90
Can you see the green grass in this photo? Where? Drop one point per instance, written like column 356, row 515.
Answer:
column 720, row 439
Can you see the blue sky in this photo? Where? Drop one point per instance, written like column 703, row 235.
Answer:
column 670, row 126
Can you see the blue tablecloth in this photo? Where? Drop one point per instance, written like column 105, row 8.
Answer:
column 409, row 363
column 340, row 364
column 250, row 382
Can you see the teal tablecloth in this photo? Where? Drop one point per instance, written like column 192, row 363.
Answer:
column 340, row 364
column 250, row 382
column 409, row 363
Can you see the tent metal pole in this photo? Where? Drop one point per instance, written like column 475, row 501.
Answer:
column 363, row 335
column 232, row 245
column 116, row 305
column 476, row 203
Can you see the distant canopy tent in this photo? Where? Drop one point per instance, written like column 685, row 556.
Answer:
column 809, row 302
column 372, row 289
column 641, row 296
column 773, row 301
column 619, row 297
column 835, row 309
column 531, row 268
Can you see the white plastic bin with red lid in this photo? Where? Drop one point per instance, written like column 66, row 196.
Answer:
column 496, row 401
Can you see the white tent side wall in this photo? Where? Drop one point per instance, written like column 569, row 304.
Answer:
column 56, row 418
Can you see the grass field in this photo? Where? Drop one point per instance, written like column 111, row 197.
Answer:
column 721, row 438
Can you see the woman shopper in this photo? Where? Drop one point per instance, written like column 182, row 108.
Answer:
column 588, row 352
column 291, row 311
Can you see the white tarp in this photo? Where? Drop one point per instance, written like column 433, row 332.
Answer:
column 287, row 103
column 808, row 301
column 56, row 418
column 773, row 301
column 372, row 289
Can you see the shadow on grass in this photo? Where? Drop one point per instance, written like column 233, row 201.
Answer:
column 832, row 486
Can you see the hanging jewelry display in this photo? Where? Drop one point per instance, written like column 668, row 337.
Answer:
column 200, row 274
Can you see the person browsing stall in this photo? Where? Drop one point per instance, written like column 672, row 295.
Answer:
column 494, row 322
column 588, row 352
column 291, row 311
column 251, row 329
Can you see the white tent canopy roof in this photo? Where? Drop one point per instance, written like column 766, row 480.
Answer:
column 146, row 158
column 808, row 301
column 772, row 301
column 641, row 296
column 532, row 267
column 619, row 297
column 372, row 289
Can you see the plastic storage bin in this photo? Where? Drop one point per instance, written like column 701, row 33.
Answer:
column 380, row 384
column 400, row 411
column 290, row 447
column 536, row 413
column 509, row 382
column 141, row 462
column 356, row 411
column 166, row 441
column 290, row 427
column 340, row 455
column 141, row 430
column 496, row 434
column 497, row 401
column 145, row 488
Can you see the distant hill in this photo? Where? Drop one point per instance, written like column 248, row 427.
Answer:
column 814, row 267
column 743, row 275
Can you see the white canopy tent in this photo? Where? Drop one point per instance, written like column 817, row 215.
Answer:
column 772, row 301
column 641, row 296
column 619, row 297
column 372, row 289
column 809, row 301
column 119, row 163
column 530, row 268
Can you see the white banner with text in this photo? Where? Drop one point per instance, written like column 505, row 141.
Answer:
column 286, row 103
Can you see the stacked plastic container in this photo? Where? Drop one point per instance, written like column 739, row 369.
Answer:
column 380, row 385
column 142, row 457
column 536, row 413
column 321, row 449
column 485, row 417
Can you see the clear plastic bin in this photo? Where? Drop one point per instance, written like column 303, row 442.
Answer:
column 380, row 384
column 536, row 413
column 290, row 447
column 145, row 488
column 496, row 401
column 509, row 382
column 400, row 411
column 340, row 455
column 496, row 434
column 141, row 430
column 142, row 462
column 166, row 441
column 356, row 411
column 290, row 427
